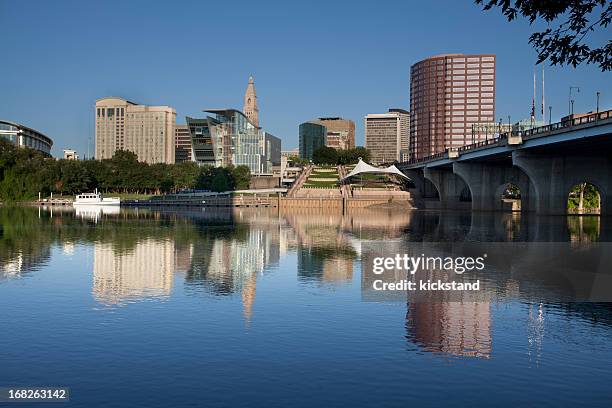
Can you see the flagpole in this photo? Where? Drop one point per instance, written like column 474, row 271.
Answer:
column 543, row 104
column 534, row 98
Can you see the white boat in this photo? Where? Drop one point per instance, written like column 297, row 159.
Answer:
column 95, row 198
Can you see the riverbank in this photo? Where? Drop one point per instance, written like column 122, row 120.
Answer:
column 241, row 199
column 274, row 201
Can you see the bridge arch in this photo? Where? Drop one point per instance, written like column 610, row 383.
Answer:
column 451, row 188
column 430, row 190
column 554, row 176
column 584, row 197
column 488, row 181
column 510, row 194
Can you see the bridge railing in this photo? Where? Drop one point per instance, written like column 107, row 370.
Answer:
column 483, row 143
column 441, row 155
column 525, row 134
column 582, row 120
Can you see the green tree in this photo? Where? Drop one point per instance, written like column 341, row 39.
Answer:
column 221, row 180
column 185, row 175
column 204, row 179
column 298, row 161
column 351, row 156
column 584, row 198
column 73, row 176
column 241, row 176
column 362, row 152
column 325, row 155
column 25, row 172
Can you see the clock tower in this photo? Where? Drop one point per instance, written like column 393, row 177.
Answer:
column 250, row 103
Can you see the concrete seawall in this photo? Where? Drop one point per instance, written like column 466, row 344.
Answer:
column 337, row 203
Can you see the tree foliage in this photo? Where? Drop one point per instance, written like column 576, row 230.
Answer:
column 329, row 155
column 298, row 161
column 352, row 156
column 25, row 172
column 325, row 155
column 584, row 197
column 564, row 41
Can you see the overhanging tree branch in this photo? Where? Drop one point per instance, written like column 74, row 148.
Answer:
column 570, row 22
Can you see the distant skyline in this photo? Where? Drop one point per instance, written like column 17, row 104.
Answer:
column 311, row 59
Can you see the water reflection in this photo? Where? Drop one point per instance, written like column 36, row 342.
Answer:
column 230, row 260
column 145, row 270
column 95, row 212
column 455, row 328
column 535, row 332
column 143, row 255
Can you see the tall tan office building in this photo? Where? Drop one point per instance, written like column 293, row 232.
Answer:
column 449, row 93
column 386, row 135
column 340, row 132
column 147, row 131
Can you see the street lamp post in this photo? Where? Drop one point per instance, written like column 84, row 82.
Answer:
column 598, row 93
column 509, row 125
column 500, row 126
column 550, row 115
column 572, row 110
column 570, row 101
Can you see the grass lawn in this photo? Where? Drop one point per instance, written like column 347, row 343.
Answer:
column 323, row 174
column 322, row 177
column 367, row 186
column 320, row 184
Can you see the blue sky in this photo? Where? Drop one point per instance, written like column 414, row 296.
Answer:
column 309, row 59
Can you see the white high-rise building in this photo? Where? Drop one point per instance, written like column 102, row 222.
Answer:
column 147, row 131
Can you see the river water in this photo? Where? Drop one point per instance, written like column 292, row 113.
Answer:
column 145, row 308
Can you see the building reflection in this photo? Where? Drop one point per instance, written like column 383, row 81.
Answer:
column 138, row 255
column 231, row 261
column 456, row 328
column 144, row 271
column 182, row 258
column 19, row 262
column 328, row 242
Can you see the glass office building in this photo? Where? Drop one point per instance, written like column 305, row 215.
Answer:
column 312, row 136
column 227, row 137
column 23, row 136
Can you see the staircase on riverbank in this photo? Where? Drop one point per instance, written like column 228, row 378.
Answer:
column 300, row 181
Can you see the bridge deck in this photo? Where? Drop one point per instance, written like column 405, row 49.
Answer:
column 583, row 128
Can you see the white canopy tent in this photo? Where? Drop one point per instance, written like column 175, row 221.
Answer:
column 363, row 167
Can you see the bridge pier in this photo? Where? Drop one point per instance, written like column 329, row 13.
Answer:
column 417, row 178
column 553, row 176
column 453, row 191
column 487, row 183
